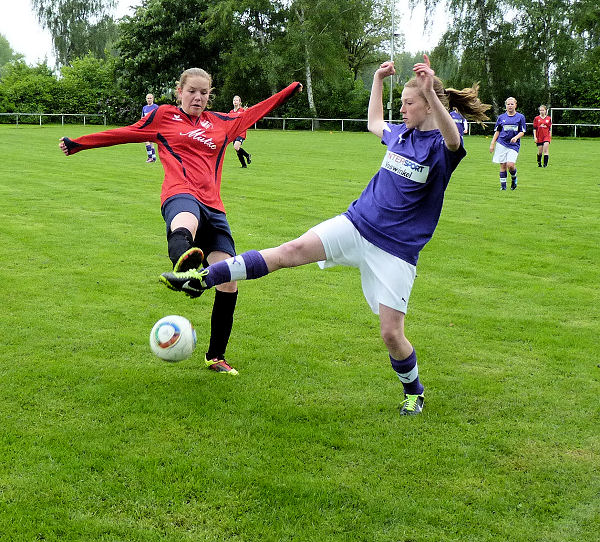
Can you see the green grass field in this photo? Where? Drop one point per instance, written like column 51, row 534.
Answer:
column 100, row 440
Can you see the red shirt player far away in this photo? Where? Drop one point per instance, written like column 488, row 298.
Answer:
column 542, row 135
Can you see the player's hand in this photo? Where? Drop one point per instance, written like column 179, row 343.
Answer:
column 62, row 146
column 514, row 139
column 385, row 70
column 492, row 147
column 424, row 74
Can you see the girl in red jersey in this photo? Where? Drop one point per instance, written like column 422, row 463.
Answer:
column 542, row 135
column 237, row 144
column 191, row 145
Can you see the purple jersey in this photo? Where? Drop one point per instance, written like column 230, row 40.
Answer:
column 509, row 127
column 399, row 209
column 461, row 122
column 148, row 109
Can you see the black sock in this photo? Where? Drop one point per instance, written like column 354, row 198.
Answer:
column 539, row 159
column 545, row 160
column 240, row 154
column 221, row 323
column 179, row 241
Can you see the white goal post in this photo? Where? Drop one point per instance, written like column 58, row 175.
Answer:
column 552, row 109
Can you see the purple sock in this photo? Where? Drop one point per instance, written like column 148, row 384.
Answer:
column 218, row 273
column 246, row 266
column 256, row 266
column 408, row 374
column 503, row 176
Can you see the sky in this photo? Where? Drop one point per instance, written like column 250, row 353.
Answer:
column 20, row 27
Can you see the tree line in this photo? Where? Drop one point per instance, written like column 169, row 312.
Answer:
column 539, row 51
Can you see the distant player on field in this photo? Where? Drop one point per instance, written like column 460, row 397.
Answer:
column 148, row 108
column 542, row 134
column 510, row 128
column 239, row 140
column 191, row 144
column 384, row 230
column 461, row 122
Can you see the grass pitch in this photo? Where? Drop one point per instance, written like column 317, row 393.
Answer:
column 100, row 440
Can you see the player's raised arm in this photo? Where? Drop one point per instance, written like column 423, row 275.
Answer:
column 375, row 123
column 443, row 120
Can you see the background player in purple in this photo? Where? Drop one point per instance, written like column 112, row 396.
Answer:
column 383, row 231
column 148, row 108
column 461, row 122
column 510, row 128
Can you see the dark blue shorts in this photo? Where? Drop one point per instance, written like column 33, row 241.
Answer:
column 213, row 231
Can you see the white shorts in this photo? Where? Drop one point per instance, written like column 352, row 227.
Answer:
column 503, row 154
column 386, row 279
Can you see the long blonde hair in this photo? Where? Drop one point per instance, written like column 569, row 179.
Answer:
column 466, row 101
column 194, row 72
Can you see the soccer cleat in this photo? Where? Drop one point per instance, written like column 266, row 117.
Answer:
column 219, row 366
column 150, row 160
column 189, row 282
column 249, row 159
column 503, row 188
column 513, row 184
column 412, row 405
column 190, row 259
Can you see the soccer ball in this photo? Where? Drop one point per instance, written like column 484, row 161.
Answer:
column 173, row 338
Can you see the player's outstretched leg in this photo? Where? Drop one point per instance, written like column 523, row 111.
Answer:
column 249, row 265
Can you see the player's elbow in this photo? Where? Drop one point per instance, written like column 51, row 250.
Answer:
column 453, row 145
column 375, row 128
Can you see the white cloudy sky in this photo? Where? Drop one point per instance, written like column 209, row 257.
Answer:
column 19, row 26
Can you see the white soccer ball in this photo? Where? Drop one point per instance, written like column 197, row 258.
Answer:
column 173, row 338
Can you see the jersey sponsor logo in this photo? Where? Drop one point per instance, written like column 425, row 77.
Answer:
column 199, row 135
column 404, row 167
column 510, row 127
column 207, row 125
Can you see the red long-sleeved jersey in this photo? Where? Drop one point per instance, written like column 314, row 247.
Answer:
column 191, row 149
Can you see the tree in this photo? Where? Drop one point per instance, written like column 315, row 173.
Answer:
column 475, row 25
column 77, row 26
column 333, row 40
column 165, row 37
column 28, row 89
column 6, row 52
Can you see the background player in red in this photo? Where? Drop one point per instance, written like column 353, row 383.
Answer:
column 239, row 140
column 191, row 144
column 542, row 135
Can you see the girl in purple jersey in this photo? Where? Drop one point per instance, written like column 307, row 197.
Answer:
column 384, row 230
column 510, row 128
column 147, row 109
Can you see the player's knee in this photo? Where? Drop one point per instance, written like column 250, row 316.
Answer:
column 178, row 242
column 392, row 336
column 290, row 254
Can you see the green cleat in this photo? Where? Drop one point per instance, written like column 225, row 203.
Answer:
column 412, row 405
column 189, row 282
column 190, row 259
